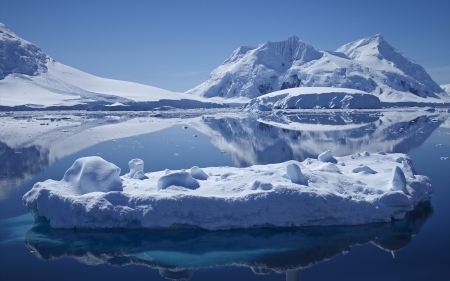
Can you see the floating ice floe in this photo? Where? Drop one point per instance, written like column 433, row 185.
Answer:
column 357, row 189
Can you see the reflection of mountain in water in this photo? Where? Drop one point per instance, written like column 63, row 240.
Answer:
column 28, row 151
column 20, row 165
column 280, row 137
column 178, row 253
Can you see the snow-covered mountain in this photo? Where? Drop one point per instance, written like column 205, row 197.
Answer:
column 369, row 64
column 30, row 77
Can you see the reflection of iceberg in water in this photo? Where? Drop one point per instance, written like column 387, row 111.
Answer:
column 178, row 253
column 278, row 137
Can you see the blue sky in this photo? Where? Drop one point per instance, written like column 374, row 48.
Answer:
column 175, row 44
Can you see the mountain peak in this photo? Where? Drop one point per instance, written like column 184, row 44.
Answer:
column 377, row 36
column 372, row 46
column 293, row 38
column 293, row 49
column 290, row 39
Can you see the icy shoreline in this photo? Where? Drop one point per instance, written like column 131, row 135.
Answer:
column 350, row 190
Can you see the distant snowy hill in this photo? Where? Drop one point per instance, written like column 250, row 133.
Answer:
column 30, row 77
column 369, row 64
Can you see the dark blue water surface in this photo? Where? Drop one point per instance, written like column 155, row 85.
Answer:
column 415, row 248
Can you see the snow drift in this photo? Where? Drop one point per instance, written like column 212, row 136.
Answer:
column 312, row 192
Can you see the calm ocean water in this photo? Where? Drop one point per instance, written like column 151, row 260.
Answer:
column 416, row 248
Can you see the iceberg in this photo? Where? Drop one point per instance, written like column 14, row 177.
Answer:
column 315, row 97
column 308, row 193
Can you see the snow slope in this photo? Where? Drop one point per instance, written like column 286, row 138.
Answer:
column 356, row 189
column 369, row 64
column 30, row 77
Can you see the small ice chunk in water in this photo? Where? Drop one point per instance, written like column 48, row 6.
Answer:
column 181, row 178
column 327, row 157
column 198, row 173
column 256, row 184
column 295, row 174
column 398, row 180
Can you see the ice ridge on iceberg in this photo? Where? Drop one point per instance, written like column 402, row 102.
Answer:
column 350, row 190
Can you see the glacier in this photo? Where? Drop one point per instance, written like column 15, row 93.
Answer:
column 355, row 189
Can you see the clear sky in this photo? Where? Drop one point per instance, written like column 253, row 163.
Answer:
column 175, row 44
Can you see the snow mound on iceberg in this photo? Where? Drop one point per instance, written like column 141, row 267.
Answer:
column 90, row 174
column 315, row 97
column 282, row 195
column 327, row 156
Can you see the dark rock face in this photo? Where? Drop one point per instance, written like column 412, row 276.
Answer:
column 294, row 82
